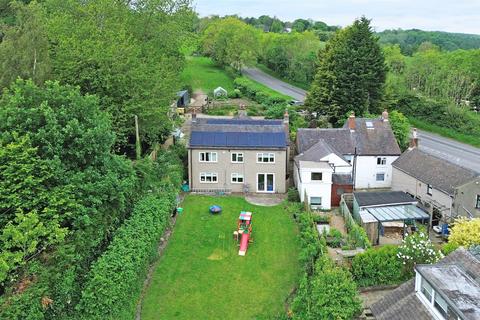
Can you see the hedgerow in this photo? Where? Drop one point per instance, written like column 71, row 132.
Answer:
column 325, row 291
column 378, row 267
column 258, row 93
column 115, row 279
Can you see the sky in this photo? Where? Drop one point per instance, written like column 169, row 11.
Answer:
column 442, row 15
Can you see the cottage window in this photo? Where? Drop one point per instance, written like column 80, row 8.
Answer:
column 429, row 189
column 441, row 305
column 265, row 157
column 477, row 203
column 380, row 177
column 208, row 157
column 237, row 157
column 237, row 178
column 427, row 290
column 381, row 161
column 208, row 177
column 316, row 176
column 315, row 201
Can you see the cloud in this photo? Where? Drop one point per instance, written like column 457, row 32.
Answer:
column 443, row 15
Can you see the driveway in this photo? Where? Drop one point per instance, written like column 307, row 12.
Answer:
column 459, row 153
column 275, row 84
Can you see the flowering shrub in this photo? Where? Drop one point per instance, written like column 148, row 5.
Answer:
column 417, row 249
column 465, row 232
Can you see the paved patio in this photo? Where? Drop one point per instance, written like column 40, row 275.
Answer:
column 266, row 200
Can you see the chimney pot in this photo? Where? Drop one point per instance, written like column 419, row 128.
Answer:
column 351, row 122
column 385, row 115
column 414, row 139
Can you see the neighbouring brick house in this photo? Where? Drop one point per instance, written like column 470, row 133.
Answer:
column 446, row 190
column 238, row 155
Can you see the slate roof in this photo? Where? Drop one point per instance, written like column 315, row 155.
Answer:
column 318, row 151
column 366, row 199
column 238, row 133
column 379, row 140
column 340, row 139
column 441, row 174
column 403, row 304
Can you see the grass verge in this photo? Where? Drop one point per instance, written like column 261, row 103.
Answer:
column 201, row 276
column 445, row 132
column 302, row 85
column 201, row 73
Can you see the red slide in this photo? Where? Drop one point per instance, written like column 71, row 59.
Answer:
column 244, row 244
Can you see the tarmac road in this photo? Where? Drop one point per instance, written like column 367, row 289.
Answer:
column 275, row 84
column 451, row 150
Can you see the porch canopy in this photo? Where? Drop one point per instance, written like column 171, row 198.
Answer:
column 396, row 213
column 396, row 216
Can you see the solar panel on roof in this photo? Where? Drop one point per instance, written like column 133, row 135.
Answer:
column 238, row 139
column 245, row 122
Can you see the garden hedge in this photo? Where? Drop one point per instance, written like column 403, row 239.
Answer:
column 258, row 93
column 377, row 267
column 116, row 278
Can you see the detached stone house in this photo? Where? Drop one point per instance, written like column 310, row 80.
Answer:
column 445, row 189
column 331, row 162
column 238, row 155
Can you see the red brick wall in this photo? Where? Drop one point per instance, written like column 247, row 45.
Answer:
column 337, row 192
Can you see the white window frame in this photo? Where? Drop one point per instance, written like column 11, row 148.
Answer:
column 321, row 176
column 211, row 153
column 236, row 156
column 429, row 189
column 266, row 155
column 206, row 174
column 237, row 176
column 315, row 204
column 384, row 176
column 383, row 161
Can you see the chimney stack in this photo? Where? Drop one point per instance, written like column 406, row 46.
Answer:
column 351, row 122
column 414, row 139
column 385, row 115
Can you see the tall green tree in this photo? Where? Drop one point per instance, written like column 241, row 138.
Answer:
column 231, row 42
column 350, row 75
column 24, row 47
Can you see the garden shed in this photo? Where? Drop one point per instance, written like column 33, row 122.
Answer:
column 220, row 92
column 387, row 216
column 183, row 99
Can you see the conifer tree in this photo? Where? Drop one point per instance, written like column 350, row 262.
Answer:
column 350, row 75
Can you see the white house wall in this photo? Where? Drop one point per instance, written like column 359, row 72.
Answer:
column 341, row 166
column 367, row 169
column 311, row 188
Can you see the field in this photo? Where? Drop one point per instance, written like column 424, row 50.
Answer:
column 201, row 276
column 202, row 73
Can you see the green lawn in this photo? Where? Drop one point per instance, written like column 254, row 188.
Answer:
column 202, row 73
column 201, row 276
